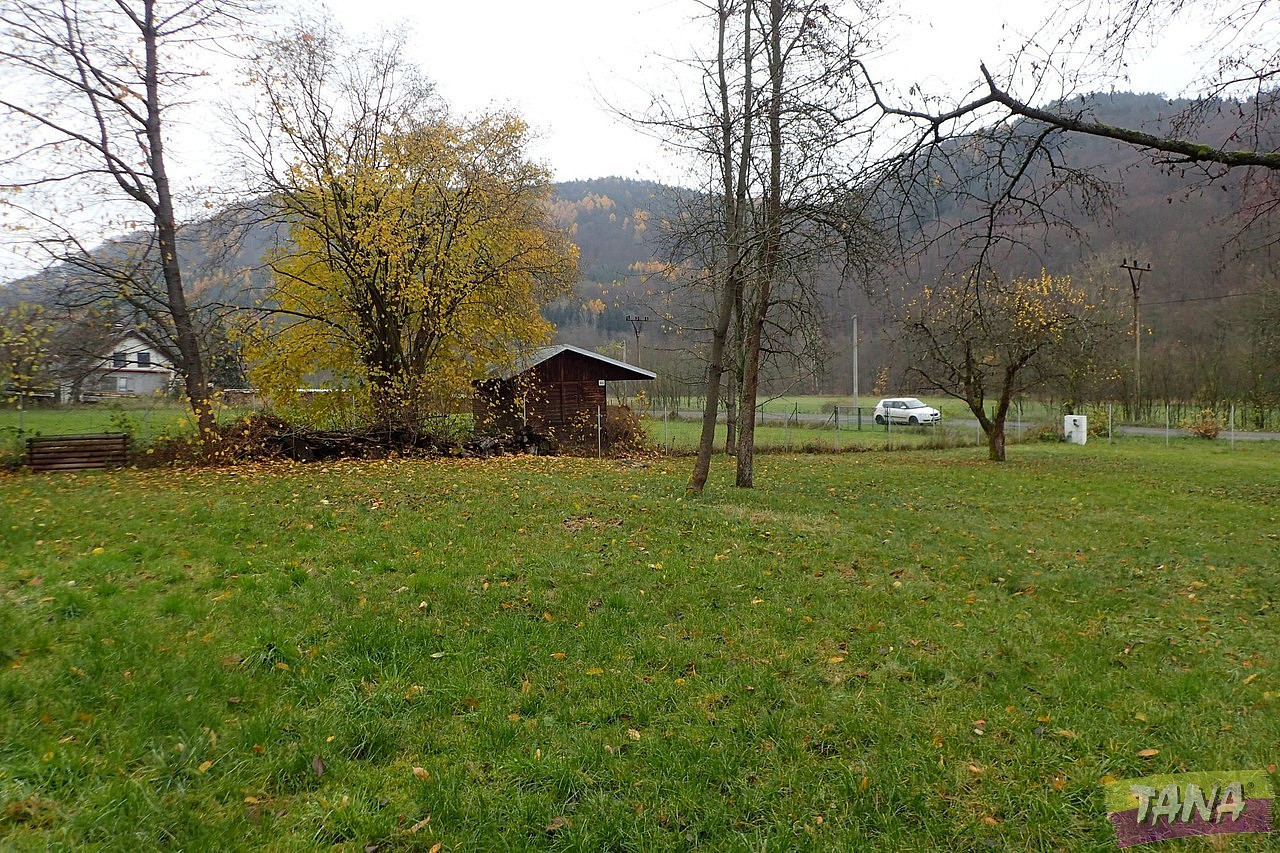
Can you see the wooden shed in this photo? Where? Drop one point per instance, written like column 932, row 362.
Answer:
column 554, row 388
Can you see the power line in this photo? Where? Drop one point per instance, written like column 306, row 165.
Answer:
column 1205, row 298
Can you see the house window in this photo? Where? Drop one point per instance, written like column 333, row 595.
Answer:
column 119, row 359
column 124, row 385
column 144, row 359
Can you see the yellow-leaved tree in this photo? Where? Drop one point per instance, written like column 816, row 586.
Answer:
column 25, row 333
column 985, row 342
column 420, row 247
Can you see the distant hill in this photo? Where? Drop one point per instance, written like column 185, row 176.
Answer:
column 1170, row 217
column 609, row 219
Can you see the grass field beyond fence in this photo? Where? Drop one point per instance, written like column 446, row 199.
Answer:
column 874, row 651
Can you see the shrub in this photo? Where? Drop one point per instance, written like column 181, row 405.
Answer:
column 621, row 433
column 1044, row 432
column 624, row 434
column 1204, row 424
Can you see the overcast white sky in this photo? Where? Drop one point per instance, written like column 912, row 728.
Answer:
column 557, row 62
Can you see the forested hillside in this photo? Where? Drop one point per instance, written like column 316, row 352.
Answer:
column 1205, row 301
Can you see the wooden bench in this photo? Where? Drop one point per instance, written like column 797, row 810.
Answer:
column 77, row 452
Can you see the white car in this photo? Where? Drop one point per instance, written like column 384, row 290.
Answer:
column 906, row 410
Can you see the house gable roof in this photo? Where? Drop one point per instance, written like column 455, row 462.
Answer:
column 161, row 360
column 617, row 369
column 137, row 334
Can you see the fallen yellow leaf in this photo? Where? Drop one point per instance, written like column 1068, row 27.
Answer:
column 204, row 766
column 421, row 773
column 595, row 670
column 1251, row 678
column 1147, row 753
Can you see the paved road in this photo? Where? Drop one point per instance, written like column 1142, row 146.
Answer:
column 1011, row 427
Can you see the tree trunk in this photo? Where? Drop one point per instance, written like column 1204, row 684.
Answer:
column 745, row 476
column 995, row 441
column 994, row 425
column 735, row 189
column 731, row 416
column 768, row 252
column 188, row 344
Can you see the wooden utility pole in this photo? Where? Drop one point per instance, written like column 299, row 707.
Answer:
column 1136, row 269
column 636, row 322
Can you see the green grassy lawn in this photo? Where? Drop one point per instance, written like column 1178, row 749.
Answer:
column 1032, row 410
column 872, row 651
column 146, row 419
column 813, row 404
column 682, row 436
column 822, row 404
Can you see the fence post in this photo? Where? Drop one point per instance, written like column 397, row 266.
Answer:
column 599, row 434
column 1166, row 423
column 1233, row 426
column 1108, row 423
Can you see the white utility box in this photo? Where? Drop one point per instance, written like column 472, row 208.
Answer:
column 1075, row 428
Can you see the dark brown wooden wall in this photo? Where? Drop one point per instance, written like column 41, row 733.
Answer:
column 563, row 390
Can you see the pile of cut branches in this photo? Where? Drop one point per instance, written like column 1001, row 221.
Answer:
column 263, row 437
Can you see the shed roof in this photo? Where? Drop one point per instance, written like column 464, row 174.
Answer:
column 617, row 369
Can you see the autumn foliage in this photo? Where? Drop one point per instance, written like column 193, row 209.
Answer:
column 25, row 333
column 420, row 245
column 987, row 342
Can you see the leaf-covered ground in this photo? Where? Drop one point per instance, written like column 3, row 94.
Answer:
column 891, row 651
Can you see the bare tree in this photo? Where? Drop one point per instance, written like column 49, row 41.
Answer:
column 79, row 340
column 986, row 342
column 734, row 148
column 779, row 114
column 998, row 150
column 94, row 83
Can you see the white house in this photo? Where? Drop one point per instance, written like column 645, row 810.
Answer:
column 134, row 367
